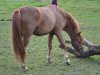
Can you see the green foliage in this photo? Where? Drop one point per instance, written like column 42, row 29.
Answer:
column 87, row 13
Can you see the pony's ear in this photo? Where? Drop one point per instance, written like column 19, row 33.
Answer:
column 79, row 33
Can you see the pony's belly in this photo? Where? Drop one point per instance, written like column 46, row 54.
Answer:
column 41, row 32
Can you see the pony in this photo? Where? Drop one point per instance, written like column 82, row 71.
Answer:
column 39, row 21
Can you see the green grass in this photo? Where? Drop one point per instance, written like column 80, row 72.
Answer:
column 87, row 12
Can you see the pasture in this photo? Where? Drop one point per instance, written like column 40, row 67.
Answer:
column 87, row 13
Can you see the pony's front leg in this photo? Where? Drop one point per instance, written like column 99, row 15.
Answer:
column 58, row 33
column 49, row 46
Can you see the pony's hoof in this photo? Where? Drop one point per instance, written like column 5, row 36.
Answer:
column 67, row 62
column 24, row 68
column 49, row 61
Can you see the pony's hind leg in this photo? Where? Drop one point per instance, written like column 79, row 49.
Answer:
column 26, row 40
column 58, row 33
column 49, row 46
column 25, row 43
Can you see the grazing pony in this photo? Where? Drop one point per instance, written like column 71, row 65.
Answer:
column 39, row 21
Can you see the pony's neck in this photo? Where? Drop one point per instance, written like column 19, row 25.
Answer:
column 72, row 28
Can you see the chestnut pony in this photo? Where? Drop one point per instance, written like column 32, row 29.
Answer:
column 39, row 21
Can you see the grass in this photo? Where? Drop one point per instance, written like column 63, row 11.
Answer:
column 87, row 12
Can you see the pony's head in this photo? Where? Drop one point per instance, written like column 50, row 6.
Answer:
column 77, row 41
column 73, row 30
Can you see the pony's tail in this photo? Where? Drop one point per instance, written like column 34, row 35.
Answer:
column 17, row 38
column 54, row 2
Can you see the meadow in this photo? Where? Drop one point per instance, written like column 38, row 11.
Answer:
column 86, row 12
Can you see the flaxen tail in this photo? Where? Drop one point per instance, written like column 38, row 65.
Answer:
column 17, row 38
